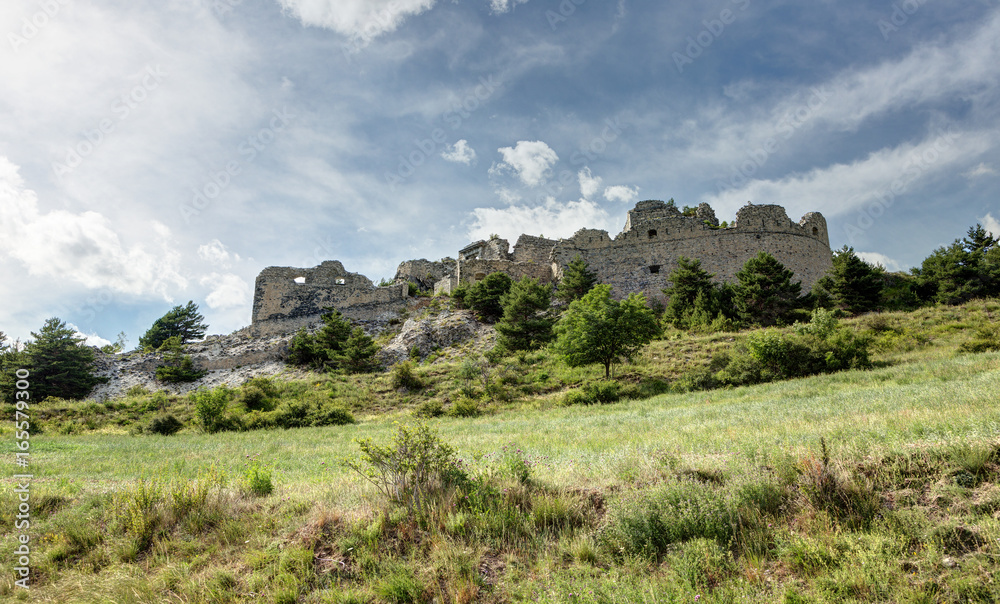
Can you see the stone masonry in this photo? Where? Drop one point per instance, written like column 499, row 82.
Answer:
column 639, row 259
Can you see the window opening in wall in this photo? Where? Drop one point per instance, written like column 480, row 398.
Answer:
column 654, row 268
column 480, row 276
column 815, row 231
column 652, row 233
column 300, row 280
column 341, row 281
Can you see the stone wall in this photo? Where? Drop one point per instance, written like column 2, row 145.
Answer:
column 286, row 298
column 536, row 250
column 424, row 273
column 642, row 257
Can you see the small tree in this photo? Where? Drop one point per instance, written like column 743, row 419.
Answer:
column 598, row 329
column 576, row 281
column 692, row 297
column 358, row 354
column 177, row 366
column 765, row 293
column 61, row 365
column 182, row 321
column 484, row 296
column 526, row 323
column 12, row 358
column 851, row 284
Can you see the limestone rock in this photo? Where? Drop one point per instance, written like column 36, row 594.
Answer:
column 443, row 331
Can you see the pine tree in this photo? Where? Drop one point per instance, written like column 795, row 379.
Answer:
column 526, row 323
column 851, row 284
column 182, row 321
column 177, row 366
column 59, row 362
column 692, row 296
column 979, row 239
column 576, row 281
column 358, row 354
column 765, row 293
column 484, row 296
column 598, row 329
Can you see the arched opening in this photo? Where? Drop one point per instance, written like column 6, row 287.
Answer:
column 654, row 269
column 815, row 231
column 652, row 233
column 480, row 276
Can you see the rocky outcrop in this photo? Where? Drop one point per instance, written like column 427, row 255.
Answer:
column 424, row 273
column 448, row 329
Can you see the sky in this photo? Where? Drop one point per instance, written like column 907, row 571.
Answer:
column 153, row 153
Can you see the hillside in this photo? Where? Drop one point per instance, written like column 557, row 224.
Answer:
column 859, row 486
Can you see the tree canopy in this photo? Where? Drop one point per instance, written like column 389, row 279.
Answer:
column 526, row 323
column 765, row 293
column 851, row 284
column 184, row 322
column 59, row 362
column 576, row 281
column 598, row 329
column 484, row 296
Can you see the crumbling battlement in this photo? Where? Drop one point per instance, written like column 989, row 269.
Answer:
column 287, row 298
column 639, row 259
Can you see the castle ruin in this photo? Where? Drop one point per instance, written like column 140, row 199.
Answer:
column 639, row 259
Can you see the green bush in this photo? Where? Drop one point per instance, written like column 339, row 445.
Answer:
column 987, row 338
column 165, row 425
column 414, row 467
column 403, row 376
column 210, row 408
column 256, row 478
column 464, row 407
column 258, row 393
column 429, row 409
column 594, row 393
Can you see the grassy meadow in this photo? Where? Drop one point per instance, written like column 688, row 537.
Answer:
column 880, row 485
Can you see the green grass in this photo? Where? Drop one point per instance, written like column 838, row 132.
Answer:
column 726, row 495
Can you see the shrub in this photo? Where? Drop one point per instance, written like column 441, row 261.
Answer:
column 603, row 391
column 414, row 467
column 258, row 393
column 256, row 478
column 464, row 407
column 987, row 338
column 165, row 425
column 210, row 407
column 177, row 367
column 429, row 409
column 403, row 376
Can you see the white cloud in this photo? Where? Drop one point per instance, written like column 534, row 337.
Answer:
column 361, row 20
column 91, row 339
column 508, row 196
column 216, row 254
column 877, row 259
column 991, row 224
column 228, row 291
column 841, row 188
column 621, row 193
column 552, row 219
column 980, row 170
column 589, row 184
column 84, row 247
column 460, row 153
column 502, row 6
column 531, row 160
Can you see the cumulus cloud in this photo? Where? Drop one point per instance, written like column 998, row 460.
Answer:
column 877, row 259
column 980, row 170
column 460, row 153
column 621, row 193
column 228, row 291
column 552, row 219
column 90, row 339
column 216, row 254
column 589, row 184
column 502, row 6
column 532, row 161
column 991, row 224
column 360, row 20
column 82, row 248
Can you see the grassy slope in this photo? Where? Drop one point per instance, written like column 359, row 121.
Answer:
column 931, row 401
